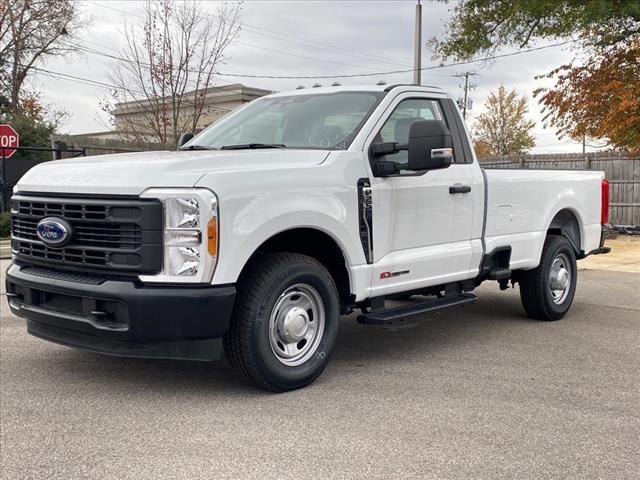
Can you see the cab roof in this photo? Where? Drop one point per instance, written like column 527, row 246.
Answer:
column 356, row 88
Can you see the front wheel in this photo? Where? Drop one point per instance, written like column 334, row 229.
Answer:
column 547, row 291
column 285, row 322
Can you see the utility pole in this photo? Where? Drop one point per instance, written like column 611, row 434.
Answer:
column 467, row 87
column 417, row 51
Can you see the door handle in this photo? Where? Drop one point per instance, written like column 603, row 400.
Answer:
column 458, row 188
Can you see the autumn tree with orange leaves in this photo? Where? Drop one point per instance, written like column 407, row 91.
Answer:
column 600, row 99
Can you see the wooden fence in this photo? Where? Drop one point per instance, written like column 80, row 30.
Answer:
column 621, row 169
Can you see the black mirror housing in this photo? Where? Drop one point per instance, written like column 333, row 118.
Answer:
column 430, row 145
column 184, row 138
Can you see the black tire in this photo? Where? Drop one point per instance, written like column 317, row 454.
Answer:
column 535, row 290
column 247, row 343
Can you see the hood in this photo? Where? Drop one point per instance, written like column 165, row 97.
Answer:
column 132, row 173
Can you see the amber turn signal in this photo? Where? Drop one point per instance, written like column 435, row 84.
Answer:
column 212, row 237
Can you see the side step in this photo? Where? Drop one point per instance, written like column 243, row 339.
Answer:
column 381, row 317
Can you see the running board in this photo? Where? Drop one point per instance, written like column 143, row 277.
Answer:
column 381, row 317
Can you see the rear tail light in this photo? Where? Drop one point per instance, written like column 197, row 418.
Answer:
column 604, row 213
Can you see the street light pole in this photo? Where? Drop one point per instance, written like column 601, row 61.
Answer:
column 417, row 52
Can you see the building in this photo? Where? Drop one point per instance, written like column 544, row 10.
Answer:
column 218, row 101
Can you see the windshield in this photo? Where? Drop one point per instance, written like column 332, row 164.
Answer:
column 317, row 121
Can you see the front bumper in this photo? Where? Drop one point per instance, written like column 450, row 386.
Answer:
column 121, row 317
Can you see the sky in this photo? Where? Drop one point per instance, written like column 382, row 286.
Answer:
column 288, row 38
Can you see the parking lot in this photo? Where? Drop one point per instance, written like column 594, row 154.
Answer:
column 470, row 393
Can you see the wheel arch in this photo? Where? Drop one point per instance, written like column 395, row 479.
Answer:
column 314, row 243
column 566, row 222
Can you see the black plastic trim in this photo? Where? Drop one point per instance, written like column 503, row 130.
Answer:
column 137, row 238
column 397, row 85
column 202, row 349
column 365, row 220
column 464, row 138
column 137, row 314
column 381, row 317
column 451, row 116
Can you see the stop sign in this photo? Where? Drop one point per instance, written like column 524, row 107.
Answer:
column 8, row 138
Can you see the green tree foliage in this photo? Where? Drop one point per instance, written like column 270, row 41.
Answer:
column 599, row 98
column 503, row 129
column 479, row 27
column 35, row 123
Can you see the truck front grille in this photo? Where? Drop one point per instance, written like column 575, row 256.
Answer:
column 107, row 234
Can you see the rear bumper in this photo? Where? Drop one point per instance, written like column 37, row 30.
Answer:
column 601, row 249
column 122, row 318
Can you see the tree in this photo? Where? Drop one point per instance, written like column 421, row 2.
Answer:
column 482, row 148
column 171, row 55
column 503, row 129
column 480, row 27
column 599, row 98
column 31, row 30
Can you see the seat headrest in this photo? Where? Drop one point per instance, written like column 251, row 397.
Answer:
column 402, row 129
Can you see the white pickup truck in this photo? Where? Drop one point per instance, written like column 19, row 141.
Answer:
column 296, row 208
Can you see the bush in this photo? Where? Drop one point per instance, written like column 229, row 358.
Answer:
column 5, row 225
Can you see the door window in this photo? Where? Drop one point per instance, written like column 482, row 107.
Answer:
column 396, row 128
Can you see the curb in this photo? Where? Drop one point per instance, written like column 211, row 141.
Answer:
column 5, row 249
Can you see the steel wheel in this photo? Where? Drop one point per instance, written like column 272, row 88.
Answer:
column 296, row 325
column 560, row 278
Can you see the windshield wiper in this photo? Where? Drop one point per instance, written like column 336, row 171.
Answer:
column 244, row 146
column 197, row 147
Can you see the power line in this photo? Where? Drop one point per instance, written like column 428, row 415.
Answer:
column 88, row 81
column 322, row 46
column 367, row 74
column 291, row 54
column 392, row 72
column 115, row 87
column 297, row 39
column 281, row 52
column 127, row 60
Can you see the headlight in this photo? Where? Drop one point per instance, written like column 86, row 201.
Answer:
column 190, row 234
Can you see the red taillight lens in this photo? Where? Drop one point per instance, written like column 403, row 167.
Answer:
column 604, row 213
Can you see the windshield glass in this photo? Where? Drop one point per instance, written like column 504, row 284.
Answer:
column 316, row 121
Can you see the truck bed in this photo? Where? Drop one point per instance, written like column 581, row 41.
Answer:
column 521, row 203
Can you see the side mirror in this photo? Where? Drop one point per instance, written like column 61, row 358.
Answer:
column 430, row 145
column 184, row 138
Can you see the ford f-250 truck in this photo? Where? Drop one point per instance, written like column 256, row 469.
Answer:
column 262, row 230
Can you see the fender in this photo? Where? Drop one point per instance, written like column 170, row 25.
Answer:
column 237, row 247
column 572, row 205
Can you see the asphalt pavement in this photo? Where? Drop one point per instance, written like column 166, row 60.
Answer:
column 480, row 392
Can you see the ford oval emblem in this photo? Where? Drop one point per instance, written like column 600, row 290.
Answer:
column 54, row 232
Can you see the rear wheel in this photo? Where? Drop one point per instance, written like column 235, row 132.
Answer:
column 285, row 322
column 548, row 290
